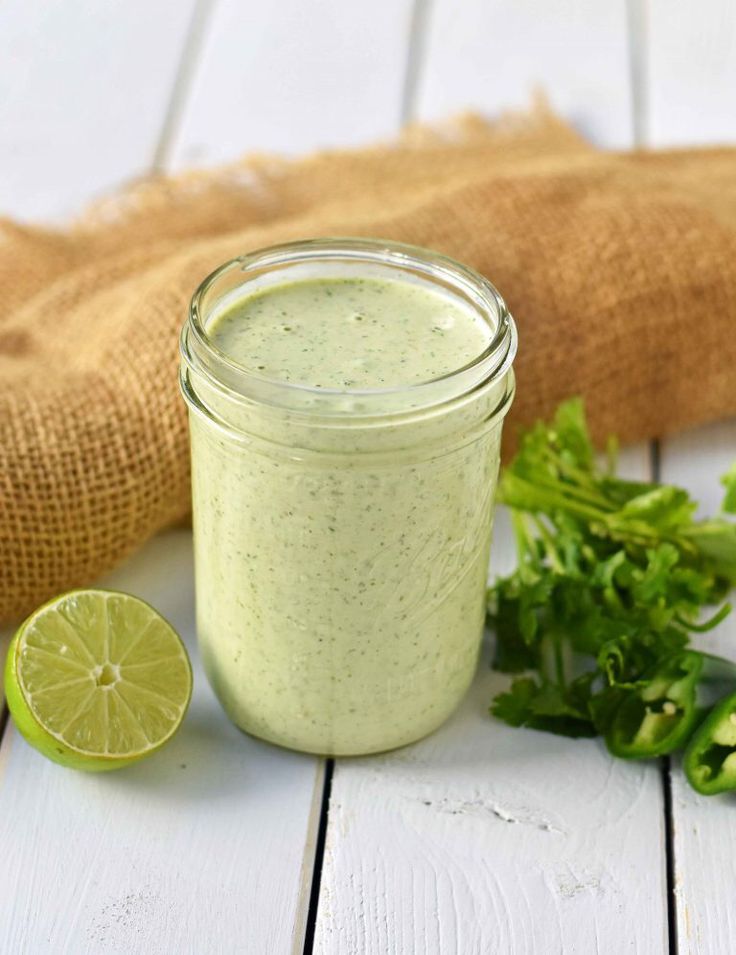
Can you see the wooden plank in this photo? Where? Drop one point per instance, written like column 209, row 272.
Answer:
column 207, row 847
column 295, row 76
column 704, row 828
column 690, row 95
column 690, row 57
column 85, row 87
column 494, row 55
column 484, row 838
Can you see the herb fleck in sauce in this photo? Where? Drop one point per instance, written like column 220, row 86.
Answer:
column 349, row 334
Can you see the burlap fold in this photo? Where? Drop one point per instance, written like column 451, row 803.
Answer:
column 619, row 269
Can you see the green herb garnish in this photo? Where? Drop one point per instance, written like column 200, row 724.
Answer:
column 612, row 579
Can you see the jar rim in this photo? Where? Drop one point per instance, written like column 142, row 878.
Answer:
column 201, row 353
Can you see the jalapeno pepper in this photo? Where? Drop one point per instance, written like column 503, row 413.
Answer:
column 710, row 758
column 659, row 716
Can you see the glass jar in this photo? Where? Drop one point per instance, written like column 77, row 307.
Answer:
column 342, row 537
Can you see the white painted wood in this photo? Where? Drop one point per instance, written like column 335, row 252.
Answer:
column 84, row 87
column 493, row 55
column 482, row 838
column 206, row 847
column 488, row 840
column 690, row 64
column 294, row 76
column 704, row 827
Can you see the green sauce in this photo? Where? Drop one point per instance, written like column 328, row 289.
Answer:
column 350, row 334
column 340, row 595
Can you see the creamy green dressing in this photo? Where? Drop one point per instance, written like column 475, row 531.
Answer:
column 350, row 334
column 340, row 596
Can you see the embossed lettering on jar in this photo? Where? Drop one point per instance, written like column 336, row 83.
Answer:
column 346, row 402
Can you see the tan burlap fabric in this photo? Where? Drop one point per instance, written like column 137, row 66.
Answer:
column 619, row 269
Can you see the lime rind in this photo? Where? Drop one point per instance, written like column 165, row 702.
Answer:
column 97, row 680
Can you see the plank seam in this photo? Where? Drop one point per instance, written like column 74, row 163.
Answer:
column 3, row 720
column 319, row 854
column 183, row 80
column 310, row 848
column 655, row 464
column 655, row 459
column 5, row 639
column 669, row 843
column 636, row 24
column 415, row 56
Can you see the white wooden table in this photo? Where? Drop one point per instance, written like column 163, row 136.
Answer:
column 481, row 839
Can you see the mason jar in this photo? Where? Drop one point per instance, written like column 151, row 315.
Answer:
column 342, row 536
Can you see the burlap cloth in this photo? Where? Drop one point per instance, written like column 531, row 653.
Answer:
column 619, row 269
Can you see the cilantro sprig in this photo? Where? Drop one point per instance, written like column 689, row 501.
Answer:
column 612, row 579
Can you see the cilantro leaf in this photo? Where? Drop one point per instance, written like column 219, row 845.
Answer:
column 613, row 576
column 541, row 707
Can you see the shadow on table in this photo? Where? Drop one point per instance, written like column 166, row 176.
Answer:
column 209, row 759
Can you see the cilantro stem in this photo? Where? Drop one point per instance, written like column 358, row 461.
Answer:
column 575, row 491
column 526, row 552
column 583, row 486
column 563, row 503
column 559, row 662
column 549, row 545
column 707, row 625
column 552, row 659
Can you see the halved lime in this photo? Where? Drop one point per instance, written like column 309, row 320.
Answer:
column 96, row 680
